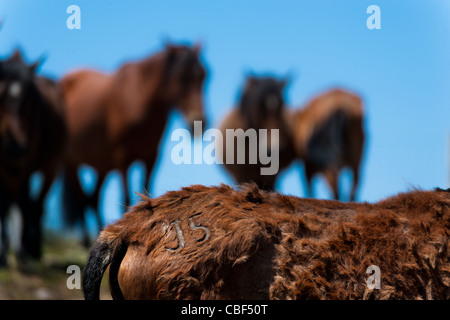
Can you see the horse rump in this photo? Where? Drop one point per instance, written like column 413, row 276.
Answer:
column 328, row 142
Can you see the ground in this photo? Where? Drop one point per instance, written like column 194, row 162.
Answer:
column 46, row 280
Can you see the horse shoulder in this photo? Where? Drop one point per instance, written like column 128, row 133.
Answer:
column 133, row 94
column 84, row 93
column 127, row 99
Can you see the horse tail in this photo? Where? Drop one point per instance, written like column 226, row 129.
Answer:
column 108, row 250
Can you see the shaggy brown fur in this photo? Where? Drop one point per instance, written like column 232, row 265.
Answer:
column 328, row 135
column 264, row 245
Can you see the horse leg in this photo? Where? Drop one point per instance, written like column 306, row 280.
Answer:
column 95, row 201
column 31, row 240
column 4, row 207
column 128, row 188
column 148, row 171
column 355, row 138
column 309, row 173
column 355, row 165
column 74, row 199
column 32, row 211
column 332, row 177
column 355, row 183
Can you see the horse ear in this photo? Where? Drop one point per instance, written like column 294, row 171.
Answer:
column 168, row 45
column 33, row 67
column 252, row 79
column 287, row 79
column 16, row 56
column 283, row 83
column 197, row 48
column 166, row 41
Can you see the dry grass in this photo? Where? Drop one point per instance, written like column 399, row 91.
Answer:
column 46, row 280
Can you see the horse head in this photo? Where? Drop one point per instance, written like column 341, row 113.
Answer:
column 262, row 102
column 185, row 75
column 16, row 84
column 262, row 107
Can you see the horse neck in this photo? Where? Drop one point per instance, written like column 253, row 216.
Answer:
column 151, row 73
column 31, row 124
column 150, row 81
column 151, row 109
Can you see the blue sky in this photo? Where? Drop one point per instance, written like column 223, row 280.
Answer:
column 402, row 71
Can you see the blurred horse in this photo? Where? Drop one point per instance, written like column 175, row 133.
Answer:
column 328, row 136
column 115, row 119
column 32, row 135
column 261, row 106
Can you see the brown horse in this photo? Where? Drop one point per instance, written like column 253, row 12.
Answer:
column 115, row 119
column 328, row 136
column 222, row 243
column 32, row 136
column 261, row 106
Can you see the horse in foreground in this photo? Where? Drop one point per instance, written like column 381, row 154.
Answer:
column 32, row 137
column 111, row 116
column 261, row 106
column 222, row 243
column 328, row 135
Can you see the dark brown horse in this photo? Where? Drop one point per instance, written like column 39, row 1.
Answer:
column 224, row 243
column 115, row 119
column 32, row 136
column 328, row 136
column 261, row 106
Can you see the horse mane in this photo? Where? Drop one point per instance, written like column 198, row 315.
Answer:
column 149, row 77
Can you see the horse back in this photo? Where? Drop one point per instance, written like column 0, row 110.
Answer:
column 84, row 87
column 221, row 243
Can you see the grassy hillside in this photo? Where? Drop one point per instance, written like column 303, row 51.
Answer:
column 46, row 279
